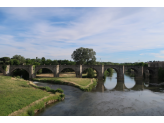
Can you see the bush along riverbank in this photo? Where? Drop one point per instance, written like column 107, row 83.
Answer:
column 20, row 97
column 84, row 84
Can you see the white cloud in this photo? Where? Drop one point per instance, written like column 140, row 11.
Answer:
column 106, row 30
column 158, row 55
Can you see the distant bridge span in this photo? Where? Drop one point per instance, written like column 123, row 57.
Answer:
column 56, row 69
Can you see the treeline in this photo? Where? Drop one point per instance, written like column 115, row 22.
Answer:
column 20, row 60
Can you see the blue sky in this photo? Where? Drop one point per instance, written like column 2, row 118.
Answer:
column 116, row 34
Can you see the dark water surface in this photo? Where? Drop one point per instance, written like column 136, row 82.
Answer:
column 110, row 97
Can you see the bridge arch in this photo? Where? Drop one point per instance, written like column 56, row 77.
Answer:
column 135, row 70
column 22, row 72
column 149, row 71
column 66, row 68
column 117, row 71
column 37, row 68
column 98, row 74
column 74, row 70
column 12, row 69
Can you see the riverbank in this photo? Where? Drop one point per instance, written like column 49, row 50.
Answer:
column 20, row 97
column 85, row 84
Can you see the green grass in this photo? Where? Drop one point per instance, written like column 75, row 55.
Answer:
column 16, row 94
column 82, row 83
column 69, row 77
column 79, row 81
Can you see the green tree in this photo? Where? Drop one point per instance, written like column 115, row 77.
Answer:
column 5, row 60
column 28, row 62
column 14, row 62
column 90, row 73
column 48, row 61
column 84, row 56
column 43, row 61
column 36, row 63
column 20, row 58
column 54, row 62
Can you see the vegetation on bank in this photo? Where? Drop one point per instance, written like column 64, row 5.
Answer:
column 84, row 84
column 16, row 93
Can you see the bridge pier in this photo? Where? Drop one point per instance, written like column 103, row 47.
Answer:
column 120, row 86
column 31, row 72
column 78, row 71
column 56, row 71
column 120, row 73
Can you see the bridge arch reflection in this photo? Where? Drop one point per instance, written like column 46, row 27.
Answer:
column 120, row 86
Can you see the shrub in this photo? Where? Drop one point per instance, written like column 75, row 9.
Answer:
column 30, row 111
column 59, row 90
column 105, row 74
column 90, row 73
column 62, row 95
column 47, row 88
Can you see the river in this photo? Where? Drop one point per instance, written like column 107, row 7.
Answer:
column 111, row 97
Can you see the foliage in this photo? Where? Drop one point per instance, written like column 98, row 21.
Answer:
column 30, row 111
column 54, row 62
column 28, row 62
column 36, row 63
column 48, row 62
column 110, row 70
column 4, row 67
column 39, row 71
column 5, row 60
column 106, row 73
column 90, row 73
column 59, row 90
column 43, row 60
column 33, row 68
column 14, row 62
column 20, row 58
column 84, row 55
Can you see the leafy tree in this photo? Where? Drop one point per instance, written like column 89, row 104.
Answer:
column 54, row 62
column 20, row 58
column 5, row 60
column 14, row 62
column 38, row 60
column 43, row 61
column 84, row 55
column 48, row 61
column 90, row 73
column 36, row 63
column 28, row 62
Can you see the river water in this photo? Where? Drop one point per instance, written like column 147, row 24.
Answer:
column 108, row 98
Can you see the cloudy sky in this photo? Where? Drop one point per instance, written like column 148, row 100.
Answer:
column 116, row 34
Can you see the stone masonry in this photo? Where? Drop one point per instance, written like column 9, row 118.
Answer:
column 100, row 69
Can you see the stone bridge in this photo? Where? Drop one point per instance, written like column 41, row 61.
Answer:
column 100, row 69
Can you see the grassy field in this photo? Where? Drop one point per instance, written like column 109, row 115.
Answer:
column 68, row 77
column 65, row 75
column 16, row 94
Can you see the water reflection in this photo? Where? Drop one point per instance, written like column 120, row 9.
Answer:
column 120, row 86
column 110, row 97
